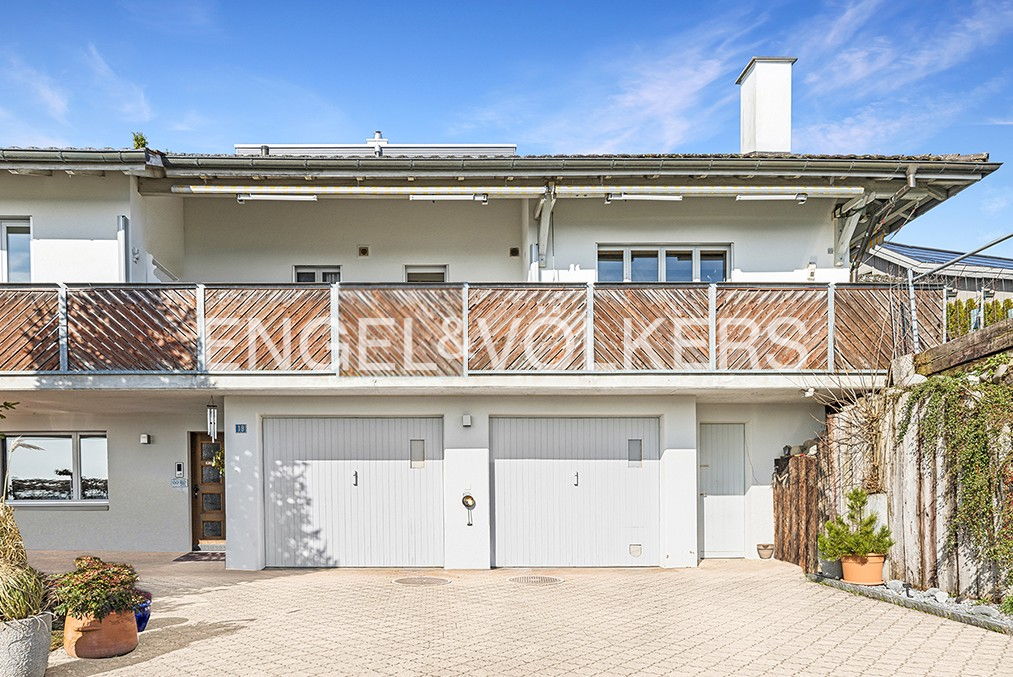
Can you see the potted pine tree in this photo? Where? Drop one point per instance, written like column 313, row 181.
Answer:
column 25, row 625
column 856, row 542
column 98, row 599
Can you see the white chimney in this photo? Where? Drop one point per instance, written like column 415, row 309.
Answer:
column 765, row 105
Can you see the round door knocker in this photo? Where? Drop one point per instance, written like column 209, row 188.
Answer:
column 468, row 501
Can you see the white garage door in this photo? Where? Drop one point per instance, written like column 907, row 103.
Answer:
column 575, row 491
column 359, row 492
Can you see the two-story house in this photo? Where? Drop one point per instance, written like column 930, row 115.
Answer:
column 387, row 354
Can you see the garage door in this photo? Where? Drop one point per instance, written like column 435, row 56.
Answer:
column 575, row 491
column 354, row 491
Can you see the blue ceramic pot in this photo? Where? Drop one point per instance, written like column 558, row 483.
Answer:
column 142, row 612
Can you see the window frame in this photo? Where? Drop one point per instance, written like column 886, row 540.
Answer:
column 427, row 268
column 6, row 223
column 76, row 498
column 696, row 250
column 318, row 273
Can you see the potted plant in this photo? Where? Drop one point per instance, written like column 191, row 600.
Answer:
column 142, row 612
column 25, row 625
column 98, row 599
column 856, row 542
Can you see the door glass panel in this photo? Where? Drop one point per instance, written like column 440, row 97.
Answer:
column 417, row 453
column 610, row 266
column 45, row 473
column 211, row 502
column 19, row 254
column 211, row 529
column 208, row 450
column 635, row 452
column 678, row 266
column 94, row 467
column 644, row 266
column 712, row 267
column 209, row 474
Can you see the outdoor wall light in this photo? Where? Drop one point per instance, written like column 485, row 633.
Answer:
column 466, row 421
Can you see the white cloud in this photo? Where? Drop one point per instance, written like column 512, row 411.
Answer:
column 655, row 98
column 127, row 97
column 188, row 122
column 40, row 87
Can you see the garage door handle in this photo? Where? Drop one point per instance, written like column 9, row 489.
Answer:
column 355, row 478
column 576, row 479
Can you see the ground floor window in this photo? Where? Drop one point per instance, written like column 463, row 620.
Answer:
column 56, row 466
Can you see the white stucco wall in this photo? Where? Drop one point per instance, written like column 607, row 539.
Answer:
column 145, row 513
column 262, row 241
column 770, row 241
column 768, row 428
column 156, row 230
column 73, row 220
column 244, row 470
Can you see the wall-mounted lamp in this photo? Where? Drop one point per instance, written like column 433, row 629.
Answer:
column 466, row 421
column 145, row 438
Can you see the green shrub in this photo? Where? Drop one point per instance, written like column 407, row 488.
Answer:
column 23, row 592
column 1007, row 605
column 856, row 535
column 96, row 588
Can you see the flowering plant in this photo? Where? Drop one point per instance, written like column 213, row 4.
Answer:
column 96, row 588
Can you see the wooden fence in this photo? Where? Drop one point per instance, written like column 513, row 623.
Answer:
column 797, row 517
column 458, row 329
column 911, row 488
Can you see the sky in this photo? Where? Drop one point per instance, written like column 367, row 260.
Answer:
column 873, row 76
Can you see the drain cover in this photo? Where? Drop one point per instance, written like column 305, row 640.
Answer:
column 536, row 580
column 422, row 580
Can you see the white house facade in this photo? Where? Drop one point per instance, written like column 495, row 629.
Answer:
column 387, row 354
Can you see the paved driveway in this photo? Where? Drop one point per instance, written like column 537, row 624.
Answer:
column 744, row 617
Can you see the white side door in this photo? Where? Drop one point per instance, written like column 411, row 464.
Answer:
column 575, row 491
column 345, row 492
column 722, row 489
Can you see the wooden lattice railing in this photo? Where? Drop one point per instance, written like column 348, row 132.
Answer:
column 362, row 330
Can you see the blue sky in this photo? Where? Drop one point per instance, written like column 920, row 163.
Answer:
column 873, row 76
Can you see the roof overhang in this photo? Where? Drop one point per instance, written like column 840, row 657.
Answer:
column 44, row 161
column 957, row 270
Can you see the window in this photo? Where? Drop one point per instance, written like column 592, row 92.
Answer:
column 676, row 263
column 425, row 273
column 610, row 266
column 56, row 467
column 635, row 452
column 318, row 274
column 17, row 251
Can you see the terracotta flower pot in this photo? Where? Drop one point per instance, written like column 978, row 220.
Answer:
column 88, row 637
column 867, row 570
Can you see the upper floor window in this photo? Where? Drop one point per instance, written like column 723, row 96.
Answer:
column 17, row 251
column 671, row 263
column 318, row 274
column 425, row 273
column 56, row 466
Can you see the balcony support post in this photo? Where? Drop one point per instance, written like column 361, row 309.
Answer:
column 465, row 342
column 831, row 358
column 335, row 336
column 589, row 329
column 202, row 330
column 62, row 330
column 712, row 326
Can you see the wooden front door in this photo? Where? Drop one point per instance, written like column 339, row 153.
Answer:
column 208, row 492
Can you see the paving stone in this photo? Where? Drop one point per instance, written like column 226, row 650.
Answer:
column 726, row 617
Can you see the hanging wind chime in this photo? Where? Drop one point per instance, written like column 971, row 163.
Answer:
column 213, row 420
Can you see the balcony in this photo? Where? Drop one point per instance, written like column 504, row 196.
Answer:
column 440, row 330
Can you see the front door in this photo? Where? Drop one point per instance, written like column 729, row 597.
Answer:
column 723, row 489
column 208, row 491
